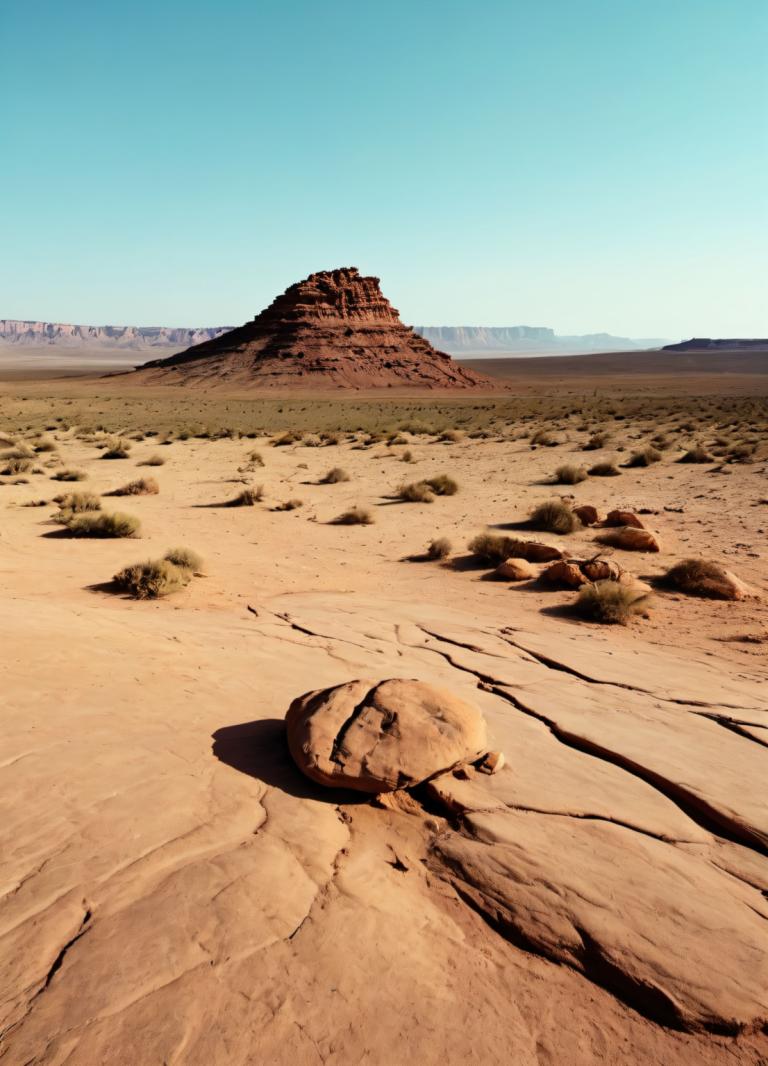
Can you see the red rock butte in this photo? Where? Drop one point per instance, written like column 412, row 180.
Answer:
column 334, row 329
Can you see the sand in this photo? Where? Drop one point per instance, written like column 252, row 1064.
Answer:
column 174, row 891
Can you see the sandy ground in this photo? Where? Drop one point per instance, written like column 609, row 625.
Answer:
column 175, row 892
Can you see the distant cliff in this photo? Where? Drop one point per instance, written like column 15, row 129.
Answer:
column 707, row 344
column 61, row 334
column 476, row 340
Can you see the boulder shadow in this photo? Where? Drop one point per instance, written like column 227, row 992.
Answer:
column 259, row 749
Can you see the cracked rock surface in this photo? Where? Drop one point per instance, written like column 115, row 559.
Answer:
column 175, row 891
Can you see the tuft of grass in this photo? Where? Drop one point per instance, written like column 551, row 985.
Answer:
column 117, row 450
column 289, row 505
column 152, row 579
column 604, row 470
column 185, row 558
column 102, row 524
column 570, row 474
column 335, row 475
column 700, row 577
column 644, row 457
column 596, row 442
column 544, row 438
column 451, row 436
column 554, row 516
column 699, row 454
column 69, row 475
column 152, row 460
column 355, row 516
column 439, row 548
column 17, row 466
column 415, row 492
column 443, row 485
column 407, row 456
column 78, row 502
column 611, row 602
column 248, row 497
column 142, row 486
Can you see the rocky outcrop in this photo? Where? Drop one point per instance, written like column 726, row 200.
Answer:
column 381, row 736
column 334, row 328
column 707, row 344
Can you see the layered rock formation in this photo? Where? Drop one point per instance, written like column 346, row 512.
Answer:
column 708, row 344
column 335, row 328
column 14, row 331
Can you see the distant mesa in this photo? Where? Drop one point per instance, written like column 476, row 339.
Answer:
column 334, row 328
column 35, row 334
column 707, row 344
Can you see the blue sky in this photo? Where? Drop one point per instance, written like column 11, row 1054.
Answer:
column 587, row 165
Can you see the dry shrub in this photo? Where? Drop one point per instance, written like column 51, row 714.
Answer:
column 102, row 524
column 570, row 474
column 159, row 577
column 544, row 437
column 699, row 454
column 497, row 548
column 701, row 577
column 439, row 548
column 611, row 602
column 117, row 450
column 248, row 497
column 604, row 470
column 443, row 485
column 451, row 436
column 407, row 456
column 355, row 516
column 44, row 445
column 415, row 492
column 17, row 466
column 554, row 516
column 78, row 502
column 335, row 475
column 289, row 505
column 644, row 457
column 596, row 441
column 143, row 486
column 69, row 475
column 286, row 438
column 152, row 460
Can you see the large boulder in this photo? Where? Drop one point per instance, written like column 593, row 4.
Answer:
column 378, row 736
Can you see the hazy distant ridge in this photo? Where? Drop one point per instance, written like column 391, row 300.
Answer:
column 456, row 340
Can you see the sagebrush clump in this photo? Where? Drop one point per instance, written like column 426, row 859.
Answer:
column 355, row 516
column 102, row 524
column 611, row 602
column 554, row 516
column 143, row 486
column 334, row 476
column 569, row 474
column 159, row 577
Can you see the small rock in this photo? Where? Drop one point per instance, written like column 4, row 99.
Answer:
column 565, row 574
column 633, row 539
column 515, row 570
column 601, row 570
column 587, row 514
column 491, row 762
column 623, row 518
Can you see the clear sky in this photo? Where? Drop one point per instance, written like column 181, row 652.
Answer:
column 589, row 165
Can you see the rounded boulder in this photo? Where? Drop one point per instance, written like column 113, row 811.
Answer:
column 379, row 736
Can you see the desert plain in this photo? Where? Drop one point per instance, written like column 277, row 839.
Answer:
column 174, row 890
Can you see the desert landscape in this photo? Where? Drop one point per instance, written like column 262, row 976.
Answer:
column 523, row 817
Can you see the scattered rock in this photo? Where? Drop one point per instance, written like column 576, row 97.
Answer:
column 623, row 518
column 378, row 736
column 515, row 570
column 587, row 514
column 601, row 570
column 564, row 574
column 536, row 552
column 630, row 538
column 491, row 762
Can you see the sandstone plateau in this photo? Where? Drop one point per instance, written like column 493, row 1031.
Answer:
column 334, row 329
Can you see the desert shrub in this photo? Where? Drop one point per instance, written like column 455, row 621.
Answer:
column 18, row 451
column 407, row 456
column 544, row 437
column 152, row 460
column 155, row 578
column 554, row 516
column 741, row 452
column 331, row 439
column 17, row 466
column 255, row 458
column 102, row 524
column 142, row 486
column 494, row 547
column 604, row 470
column 289, row 505
column 698, row 454
column 415, row 492
column 117, row 450
column 644, row 457
column 661, row 441
column 396, row 438
column 286, row 438
column 69, row 475
column 439, row 548
column 184, row 558
column 334, row 476
column 570, row 474
column 699, row 577
column 45, row 445
column 78, row 502
column 443, row 485
column 248, row 497
column 355, row 516
column 596, row 441
column 610, row 602
column 451, row 436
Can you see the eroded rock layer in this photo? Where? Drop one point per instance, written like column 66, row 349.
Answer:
column 335, row 328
